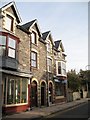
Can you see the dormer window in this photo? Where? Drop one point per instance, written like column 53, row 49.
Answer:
column 33, row 38
column 49, row 47
column 9, row 23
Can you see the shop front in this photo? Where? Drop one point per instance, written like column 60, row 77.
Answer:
column 60, row 90
column 15, row 92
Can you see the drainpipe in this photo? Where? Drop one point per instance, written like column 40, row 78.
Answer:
column 30, row 92
column 47, row 79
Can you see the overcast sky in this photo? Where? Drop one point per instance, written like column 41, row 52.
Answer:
column 67, row 21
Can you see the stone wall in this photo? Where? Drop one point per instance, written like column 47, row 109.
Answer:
column 23, row 50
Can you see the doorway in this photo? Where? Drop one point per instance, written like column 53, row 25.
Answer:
column 34, row 94
column 50, row 93
column 43, row 94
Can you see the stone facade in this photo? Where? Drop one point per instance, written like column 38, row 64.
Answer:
column 37, row 57
column 15, row 80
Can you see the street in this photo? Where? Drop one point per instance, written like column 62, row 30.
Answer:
column 81, row 111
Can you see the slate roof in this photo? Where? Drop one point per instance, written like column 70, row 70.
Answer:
column 45, row 34
column 57, row 43
column 28, row 25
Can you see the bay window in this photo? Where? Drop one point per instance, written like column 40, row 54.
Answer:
column 8, row 45
column 11, row 47
column 2, row 45
column 33, row 59
column 61, row 68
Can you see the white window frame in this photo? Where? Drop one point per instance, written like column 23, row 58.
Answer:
column 9, row 22
column 62, row 74
column 49, row 65
column 33, row 59
column 11, row 49
column 34, row 37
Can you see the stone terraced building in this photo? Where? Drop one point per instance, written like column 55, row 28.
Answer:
column 32, row 64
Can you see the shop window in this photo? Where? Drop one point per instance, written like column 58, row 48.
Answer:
column 24, row 91
column 58, row 89
column 16, row 91
column 10, row 92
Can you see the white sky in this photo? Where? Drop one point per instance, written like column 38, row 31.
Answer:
column 67, row 21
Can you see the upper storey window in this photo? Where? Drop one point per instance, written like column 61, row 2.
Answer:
column 48, row 47
column 49, row 64
column 9, row 23
column 11, row 47
column 33, row 38
column 2, row 45
column 33, row 59
column 8, row 45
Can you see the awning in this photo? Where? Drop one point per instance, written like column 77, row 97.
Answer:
column 64, row 81
column 17, row 73
column 61, row 81
column 56, row 80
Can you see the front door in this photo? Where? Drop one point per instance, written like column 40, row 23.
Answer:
column 34, row 94
column 43, row 93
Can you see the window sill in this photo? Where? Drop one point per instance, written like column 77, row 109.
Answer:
column 59, row 97
column 34, row 44
column 12, row 105
column 35, row 68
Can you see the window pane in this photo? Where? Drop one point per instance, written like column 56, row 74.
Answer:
column 8, row 23
column 59, row 67
column 59, row 89
column 33, row 56
column 11, row 53
column 24, row 91
column 48, row 47
column 12, row 43
column 2, row 40
column 2, row 50
column 33, row 63
column 10, row 92
column 34, row 59
column 33, row 37
column 17, row 91
column 49, row 63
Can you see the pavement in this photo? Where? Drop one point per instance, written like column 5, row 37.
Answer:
column 44, row 111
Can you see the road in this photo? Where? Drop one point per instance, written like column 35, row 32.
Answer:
column 81, row 111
